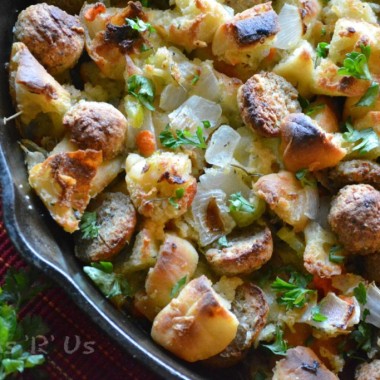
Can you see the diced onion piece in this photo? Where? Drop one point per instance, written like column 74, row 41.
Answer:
column 207, row 85
column 373, row 305
column 221, row 148
column 229, row 180
column 202, row 221
column 172, row 97
column 195, row 110
column 290, row 28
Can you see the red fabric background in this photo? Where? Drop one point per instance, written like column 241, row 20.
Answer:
column 69, row 325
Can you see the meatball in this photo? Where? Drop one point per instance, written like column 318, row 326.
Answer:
column 355, row 218
column 98, row 126
column 264, row 100
column 53, row 36
column 116, row 221
column 349, row 173
column 368, row 371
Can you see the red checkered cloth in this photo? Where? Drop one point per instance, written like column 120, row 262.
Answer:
column 76, row 348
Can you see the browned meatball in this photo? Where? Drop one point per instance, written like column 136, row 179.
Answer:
column 349, row 173
column 116, row 221
column 355, row 218
column 53, row 36
column 98, row 126
column 368, row 371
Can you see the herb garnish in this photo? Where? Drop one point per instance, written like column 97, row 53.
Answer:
column 179, row 193
column 322, row 49
column 317, row 316
column 279, row 346
column 109, row 283
column 223, row 242
column 178, row 287
column 293, row 294
column 142, row 89
column 365, row 140
column 182, row 137
column 360, row 293
column 306, row 179
column 334, row 256
column 89, row 226
column 239, row 203
column 140, row 25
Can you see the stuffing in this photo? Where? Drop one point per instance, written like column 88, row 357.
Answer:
column 368, row 371
column 248, row 37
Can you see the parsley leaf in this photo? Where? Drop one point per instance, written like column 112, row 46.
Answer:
column 292, row 294
column 322, row 49
column 317, row 316
column 222, row 242
column 239, row 203
column 179, row 193
column 182, row 137
column 206, row 124
column 140, row 25
column 356, row 64
column 306, row 179
column 88, row 226
column 195, row 79
column 308, row 108
column 334, row 256
column 142, row 89
column 279, row 346
column 178, row 287
column 370, row 97
column 365, row 140
column 360, row 293
column 109, row 283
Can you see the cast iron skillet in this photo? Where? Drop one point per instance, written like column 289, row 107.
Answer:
column 42, row 243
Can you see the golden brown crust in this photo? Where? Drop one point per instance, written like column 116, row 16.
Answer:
column 249, row 249
column 63, row 182
column 116, row 218
column 302, row 363
column 350, row 173
column 196, row 325
column 354, row 217
column 54, row 37
column 251, row 309
column 305, row 145
column 98, row 126
column 264, row 100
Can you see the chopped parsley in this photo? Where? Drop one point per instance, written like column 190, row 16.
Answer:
column 108, row 282
column 322, row 49
column 334, row 255
column 88, row 226
column 182, row 137
column 308, row 108
column 178, row 287
column 142, row 89
column 365, row 140
column 179, row 193
column 239, row 203
column 306, row 179
column 206, row 124
column 279, row 346
column 317, row 316
column 223, row 242
column 356, row 64
column 293, row 294
column 140, row 25
column 370, row 97
column 195, row 79
column 360, row 293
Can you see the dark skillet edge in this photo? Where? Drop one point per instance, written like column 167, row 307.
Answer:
column 87, row 304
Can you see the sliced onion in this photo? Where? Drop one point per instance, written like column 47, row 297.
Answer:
column 229, row 180
column 192, row 112
column 172, row 97
column 207, row 85
column 221, row 147
column 291, row 28
column 373, row 305
column 199, row 209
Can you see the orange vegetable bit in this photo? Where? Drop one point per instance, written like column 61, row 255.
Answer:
column 323, row 285
column 94, row 11
column 146, row 143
